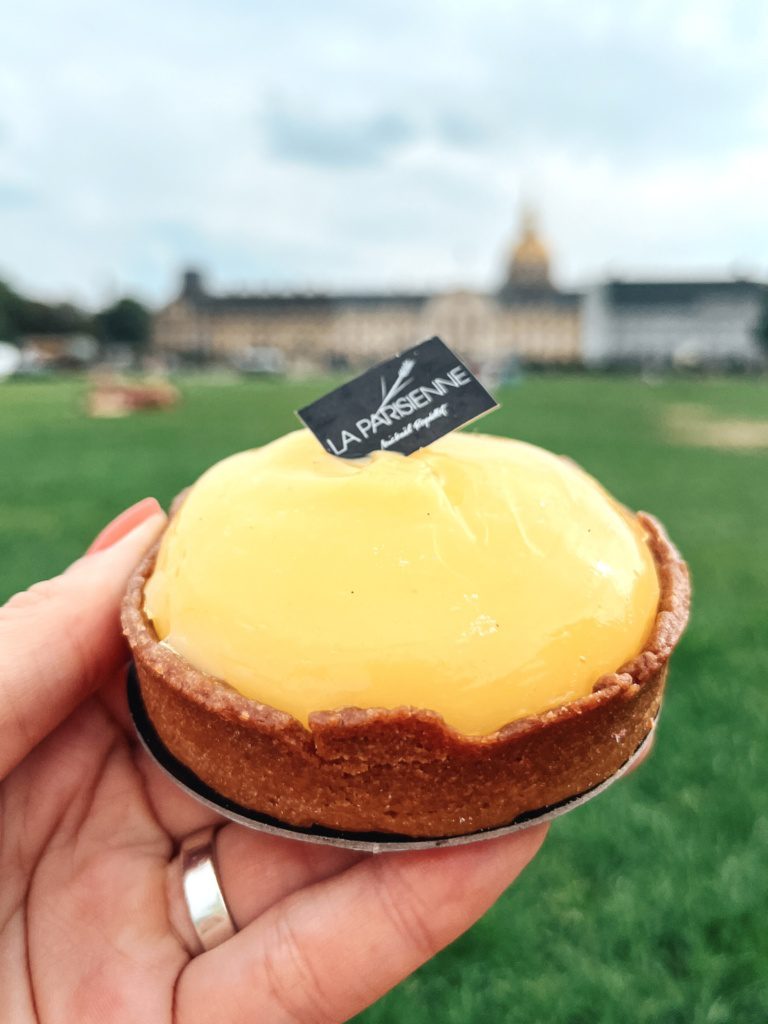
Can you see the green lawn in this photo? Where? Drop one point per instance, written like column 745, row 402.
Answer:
column 651, row 903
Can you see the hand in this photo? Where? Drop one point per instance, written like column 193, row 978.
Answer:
column 93, row 926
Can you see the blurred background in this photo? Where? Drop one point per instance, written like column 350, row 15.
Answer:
column 211, row 214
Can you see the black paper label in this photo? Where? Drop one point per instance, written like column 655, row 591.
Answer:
column 401, row 404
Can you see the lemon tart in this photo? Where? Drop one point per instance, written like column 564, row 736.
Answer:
column 429, row 644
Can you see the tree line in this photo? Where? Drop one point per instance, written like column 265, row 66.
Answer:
column 126, row 321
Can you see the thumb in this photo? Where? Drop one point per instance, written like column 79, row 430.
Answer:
column 61, row 639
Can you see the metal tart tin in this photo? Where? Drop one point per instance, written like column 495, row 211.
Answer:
column 368, row 842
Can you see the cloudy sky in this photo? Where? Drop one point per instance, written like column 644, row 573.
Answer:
column 380, row 144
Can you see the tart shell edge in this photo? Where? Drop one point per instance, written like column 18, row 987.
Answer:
column 403, row 770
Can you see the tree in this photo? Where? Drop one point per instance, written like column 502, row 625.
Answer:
column 126, row 321
column 761, row 332
column 40, row 318
column 11, row 304
column 20, row 315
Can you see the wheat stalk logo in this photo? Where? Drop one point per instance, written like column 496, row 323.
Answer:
column 401, row 381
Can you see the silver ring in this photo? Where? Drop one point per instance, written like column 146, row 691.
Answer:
column 205, row 901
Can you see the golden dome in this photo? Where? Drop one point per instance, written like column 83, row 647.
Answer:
column 529, row 260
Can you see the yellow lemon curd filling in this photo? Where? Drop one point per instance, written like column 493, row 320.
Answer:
column 482, row 578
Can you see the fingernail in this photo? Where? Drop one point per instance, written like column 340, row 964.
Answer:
column 124, row 523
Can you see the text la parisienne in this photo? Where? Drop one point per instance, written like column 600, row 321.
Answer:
column 399, row 409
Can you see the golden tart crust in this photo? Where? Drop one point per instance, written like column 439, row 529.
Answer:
column 403, row 770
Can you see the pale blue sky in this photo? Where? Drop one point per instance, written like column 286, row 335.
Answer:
column 383, row 144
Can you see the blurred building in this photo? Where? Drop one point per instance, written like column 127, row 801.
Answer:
column 663, row 323
column 527, row 318
column 536, row 321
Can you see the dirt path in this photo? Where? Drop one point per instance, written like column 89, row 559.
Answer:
column 699, row 426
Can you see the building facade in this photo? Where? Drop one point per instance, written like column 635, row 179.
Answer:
column 528, row 319
column 684, row 323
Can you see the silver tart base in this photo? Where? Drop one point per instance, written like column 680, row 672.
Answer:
column 368, row 842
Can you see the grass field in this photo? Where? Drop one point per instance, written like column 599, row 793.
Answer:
column 651, row 903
